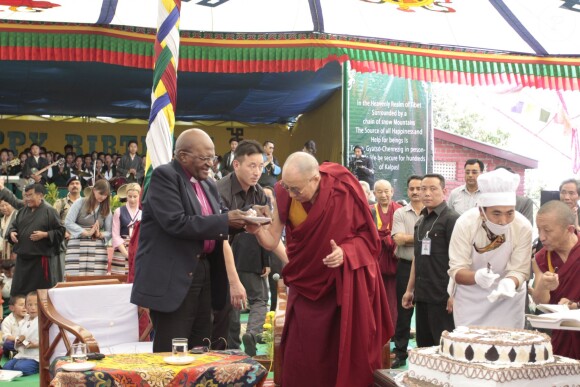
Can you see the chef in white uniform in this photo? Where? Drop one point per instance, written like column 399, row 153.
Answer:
column 489, row 256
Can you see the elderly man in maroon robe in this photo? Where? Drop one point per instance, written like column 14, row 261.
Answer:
column 337, row 317
column 383, row 212
column 557, row 268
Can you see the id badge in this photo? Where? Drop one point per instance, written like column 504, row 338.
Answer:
column 426, row 246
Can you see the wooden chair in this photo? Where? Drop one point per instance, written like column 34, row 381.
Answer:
column 97, row 313
column 279, row 318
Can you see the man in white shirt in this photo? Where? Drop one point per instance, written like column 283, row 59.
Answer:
column 489, row 256
column 34, row 164
column 404, row 236
column 465, row 196
column 27, row 341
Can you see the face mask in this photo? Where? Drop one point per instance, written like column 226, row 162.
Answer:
column 497, row 229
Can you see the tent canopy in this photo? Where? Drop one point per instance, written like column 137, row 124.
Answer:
column 270, row 60
column 97, row 89
column 537, row 27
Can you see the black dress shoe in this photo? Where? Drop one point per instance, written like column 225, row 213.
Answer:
column 249, row 344
column 398, row 363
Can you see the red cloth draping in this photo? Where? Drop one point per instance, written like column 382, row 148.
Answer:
column 565, row 343
column 355, row 291
column 387, row 258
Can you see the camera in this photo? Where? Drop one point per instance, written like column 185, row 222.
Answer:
column 358, row 163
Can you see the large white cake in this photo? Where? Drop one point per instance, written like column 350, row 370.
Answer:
column 488, row 357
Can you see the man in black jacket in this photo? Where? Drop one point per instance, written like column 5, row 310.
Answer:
column 362, row 166
column 227, row 165
column 36, row 234
column 240, row 190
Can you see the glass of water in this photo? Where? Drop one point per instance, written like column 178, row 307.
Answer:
column 179, row 347
column 78, row 353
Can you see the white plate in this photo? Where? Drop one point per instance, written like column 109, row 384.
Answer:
column 178, row 360
column 8, row 375
column 78, row 367
column 258, row 219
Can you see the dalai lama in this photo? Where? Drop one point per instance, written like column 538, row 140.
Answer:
column 337, row 318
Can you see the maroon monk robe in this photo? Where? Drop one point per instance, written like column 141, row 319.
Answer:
column 387, row 258
column 565, row 343
column 337, row 319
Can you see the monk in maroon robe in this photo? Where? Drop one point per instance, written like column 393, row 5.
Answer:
column 337, row 317
column 557, row 269
column 383, row 212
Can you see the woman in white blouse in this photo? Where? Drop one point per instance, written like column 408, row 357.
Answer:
column 124, row 219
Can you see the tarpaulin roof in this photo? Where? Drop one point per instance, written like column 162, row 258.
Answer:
column 285, row 44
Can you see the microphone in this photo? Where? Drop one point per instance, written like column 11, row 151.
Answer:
column 276, row 277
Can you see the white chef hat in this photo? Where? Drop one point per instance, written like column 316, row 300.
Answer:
column 498, row 188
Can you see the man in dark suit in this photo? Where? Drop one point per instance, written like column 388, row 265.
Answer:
column 183, row 255
column 227, row 165
column 35, row 162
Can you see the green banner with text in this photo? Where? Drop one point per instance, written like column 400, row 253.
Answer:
column 390, row 118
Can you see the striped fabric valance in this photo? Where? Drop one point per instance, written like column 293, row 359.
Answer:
column 247, row 53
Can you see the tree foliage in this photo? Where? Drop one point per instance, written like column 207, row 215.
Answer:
column 453, row 115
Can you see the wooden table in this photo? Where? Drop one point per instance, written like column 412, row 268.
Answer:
column 218, row 368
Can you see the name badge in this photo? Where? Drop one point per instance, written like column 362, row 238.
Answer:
column 426, row 246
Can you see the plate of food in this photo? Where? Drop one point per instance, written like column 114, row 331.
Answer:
column 179, row 360
column 78, row 367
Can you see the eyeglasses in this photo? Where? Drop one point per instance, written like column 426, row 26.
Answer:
column 211, row 159
column 294, row 190
column 205, row 160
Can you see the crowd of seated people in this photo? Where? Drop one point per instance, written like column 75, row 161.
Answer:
column 58, row 168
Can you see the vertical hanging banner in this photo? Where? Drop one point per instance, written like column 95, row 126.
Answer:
column 390, row 118
column 164, row 91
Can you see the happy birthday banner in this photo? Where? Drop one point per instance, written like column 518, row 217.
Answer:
column 85, row 138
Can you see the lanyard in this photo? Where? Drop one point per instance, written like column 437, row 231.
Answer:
column 133, row 218
column 426, row 236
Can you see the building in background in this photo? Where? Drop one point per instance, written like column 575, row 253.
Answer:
column 452, row 150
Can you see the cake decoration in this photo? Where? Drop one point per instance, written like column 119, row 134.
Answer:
column 533, row 354
column 492, row 354
column 469, row 353
column 512, row 355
